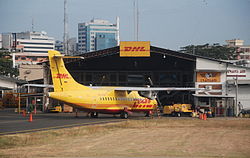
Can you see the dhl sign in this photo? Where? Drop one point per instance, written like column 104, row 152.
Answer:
column 62, row 76
column 135, row 49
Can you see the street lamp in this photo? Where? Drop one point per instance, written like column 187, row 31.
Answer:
column 236, row 95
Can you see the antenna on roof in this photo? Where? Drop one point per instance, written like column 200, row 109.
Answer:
column 32, row 25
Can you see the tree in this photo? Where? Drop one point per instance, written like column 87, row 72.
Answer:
column 6, row 67
column 215, row 51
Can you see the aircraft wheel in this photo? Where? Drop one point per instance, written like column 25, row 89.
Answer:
column 178, row 114
column 124, row 115
column 240, row 115
column 148, row 114
column 94, row 115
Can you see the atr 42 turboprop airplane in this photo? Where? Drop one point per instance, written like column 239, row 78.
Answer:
column 108, row 100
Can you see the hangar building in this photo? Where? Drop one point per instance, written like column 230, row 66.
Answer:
column 167, row 68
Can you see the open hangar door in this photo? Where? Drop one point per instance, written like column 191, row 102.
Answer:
column 164, row 67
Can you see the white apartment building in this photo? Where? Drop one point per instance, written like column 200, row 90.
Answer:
column 29, row 47
column 35, row 42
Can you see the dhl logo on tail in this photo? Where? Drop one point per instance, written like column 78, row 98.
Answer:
column 62, row 76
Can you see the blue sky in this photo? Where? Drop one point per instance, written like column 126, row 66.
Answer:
column 166, row 23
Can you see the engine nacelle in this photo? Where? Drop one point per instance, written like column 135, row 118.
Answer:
column 148, row 94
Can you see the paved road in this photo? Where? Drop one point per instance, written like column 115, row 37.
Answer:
column 11, row 122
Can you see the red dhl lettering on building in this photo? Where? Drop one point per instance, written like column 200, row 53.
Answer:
column 134, row 49
column 62, row 76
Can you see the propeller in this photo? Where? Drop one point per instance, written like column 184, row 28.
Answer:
column 155, row 93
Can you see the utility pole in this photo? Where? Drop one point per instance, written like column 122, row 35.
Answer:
column 136, row 20
column 65, row 35
column 137, row 27
column 236, row 95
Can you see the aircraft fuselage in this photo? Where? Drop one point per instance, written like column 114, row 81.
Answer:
column 105, row 101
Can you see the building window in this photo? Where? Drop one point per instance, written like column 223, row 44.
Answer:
column 38, row 47
column 36, row 43
column 102, row 36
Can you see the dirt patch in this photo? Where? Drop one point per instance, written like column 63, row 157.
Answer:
column 167, row 137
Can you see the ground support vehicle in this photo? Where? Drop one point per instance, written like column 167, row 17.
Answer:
column 245, row 113
column 178, row 110
column 55, row 109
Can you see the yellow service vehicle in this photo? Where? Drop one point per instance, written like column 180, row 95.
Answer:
column 56, row 109
column 178, row 110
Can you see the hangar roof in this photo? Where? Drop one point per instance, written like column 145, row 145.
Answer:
column 116, row 50
column 153, row 49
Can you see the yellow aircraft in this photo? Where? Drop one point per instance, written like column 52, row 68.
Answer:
column 107, row 100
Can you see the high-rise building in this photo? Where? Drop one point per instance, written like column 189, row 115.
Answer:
column 97, row 34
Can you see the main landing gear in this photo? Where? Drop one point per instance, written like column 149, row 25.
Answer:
column 149, row 114
column 94, row 115
column 124, row 115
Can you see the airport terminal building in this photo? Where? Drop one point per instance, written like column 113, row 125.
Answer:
column 228, row 84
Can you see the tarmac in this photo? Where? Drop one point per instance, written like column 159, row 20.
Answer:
column 14, row 123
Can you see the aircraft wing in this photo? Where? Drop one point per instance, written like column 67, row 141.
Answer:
column 38, row 85
column 151, row 92
column 156, row 89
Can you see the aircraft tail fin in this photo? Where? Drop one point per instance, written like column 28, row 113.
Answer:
column 62, row 80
